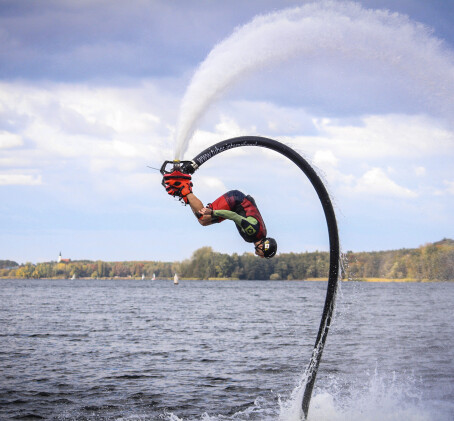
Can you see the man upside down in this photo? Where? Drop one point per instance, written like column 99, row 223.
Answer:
column 233, row 205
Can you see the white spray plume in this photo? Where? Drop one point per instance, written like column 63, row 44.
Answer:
column 337, row 29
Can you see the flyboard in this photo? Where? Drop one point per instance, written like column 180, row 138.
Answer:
column 190, row 167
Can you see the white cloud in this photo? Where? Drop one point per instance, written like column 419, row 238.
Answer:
column 420, row 171
column 228, row 127
column 119, row 184
column 97, row 128
column 380, row 136
column 366, row 138
column 366, row 142
column 449, row 186
column 109, row 110
column 325, row 157
column 273, row 118
column 336, row 177
column 376, row 182
column 20, row 179
column 211, row 183
column 10, row 140
column 126, row 150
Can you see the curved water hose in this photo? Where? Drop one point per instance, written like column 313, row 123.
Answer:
column 325, row 322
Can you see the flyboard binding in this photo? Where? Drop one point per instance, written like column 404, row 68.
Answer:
column 177, row 178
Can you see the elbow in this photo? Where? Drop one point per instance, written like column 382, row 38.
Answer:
column 205, row 221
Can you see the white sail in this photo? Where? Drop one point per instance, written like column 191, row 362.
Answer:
column 175, row 279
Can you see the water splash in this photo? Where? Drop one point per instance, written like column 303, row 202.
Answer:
column 382, row 398
column 291, row 409
column 378, row 398
column 339, row 30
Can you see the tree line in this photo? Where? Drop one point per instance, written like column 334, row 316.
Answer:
column 429, row 262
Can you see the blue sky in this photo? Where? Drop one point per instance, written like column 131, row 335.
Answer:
column 92, row 92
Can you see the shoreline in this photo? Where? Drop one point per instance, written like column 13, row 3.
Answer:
column 323, row 279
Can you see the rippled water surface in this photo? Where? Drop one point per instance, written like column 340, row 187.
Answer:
column 205, row 350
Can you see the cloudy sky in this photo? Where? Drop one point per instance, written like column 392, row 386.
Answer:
column 93, row 92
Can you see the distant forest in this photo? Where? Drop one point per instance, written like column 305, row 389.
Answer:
column 432, row 262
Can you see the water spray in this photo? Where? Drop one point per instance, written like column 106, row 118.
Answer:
column 389, row 44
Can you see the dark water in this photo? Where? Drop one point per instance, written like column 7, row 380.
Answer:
column 143, row 350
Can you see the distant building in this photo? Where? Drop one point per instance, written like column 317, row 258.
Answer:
column 61, row 260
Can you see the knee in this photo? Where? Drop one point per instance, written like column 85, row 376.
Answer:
column 236, row 195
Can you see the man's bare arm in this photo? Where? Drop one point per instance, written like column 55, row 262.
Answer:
column 199, row 210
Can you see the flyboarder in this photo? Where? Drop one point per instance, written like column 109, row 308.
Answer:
column 233, row 205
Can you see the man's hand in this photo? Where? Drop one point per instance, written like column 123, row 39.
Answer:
column 206, row 211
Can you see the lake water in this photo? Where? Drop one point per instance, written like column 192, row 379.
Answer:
column 204, row 350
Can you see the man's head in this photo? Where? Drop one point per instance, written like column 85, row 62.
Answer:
column 266, row 247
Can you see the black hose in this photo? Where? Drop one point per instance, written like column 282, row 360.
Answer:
column 325, row 322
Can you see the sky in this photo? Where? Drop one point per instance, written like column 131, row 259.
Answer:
column 94, row 92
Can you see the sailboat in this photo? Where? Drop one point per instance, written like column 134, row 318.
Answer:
column 153, row 277
column 175, row 279
column 143, row 276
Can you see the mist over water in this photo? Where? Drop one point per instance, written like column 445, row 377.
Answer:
column 395, row 47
